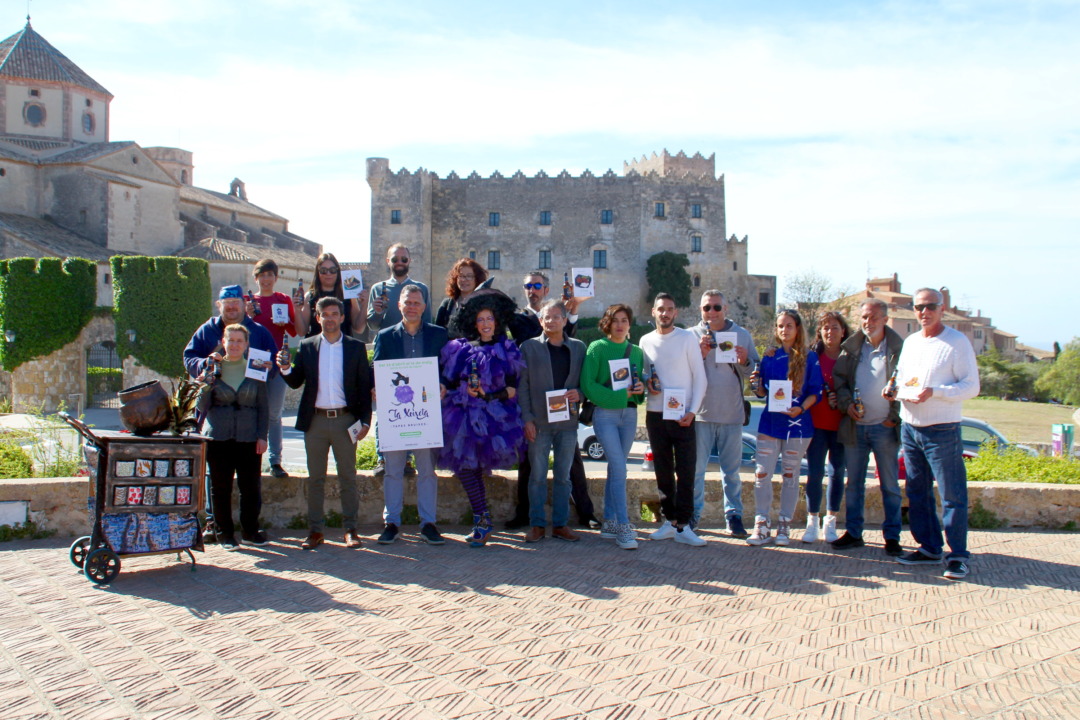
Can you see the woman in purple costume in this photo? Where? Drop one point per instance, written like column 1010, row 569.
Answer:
column 481, row 417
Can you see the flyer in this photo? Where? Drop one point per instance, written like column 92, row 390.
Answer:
column 620, row 373
column 279, row 313
column 584, row 282
column 725, row 347
column 779, row 395
column 674, row 403
column 352, row 283
column 258, row 364
column 909, row 386
column 558, row 407
column 408, row 407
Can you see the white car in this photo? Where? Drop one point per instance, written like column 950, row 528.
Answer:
column 587, row 442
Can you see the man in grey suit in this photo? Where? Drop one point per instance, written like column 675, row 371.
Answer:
column 553, row 361
column 410, row 338
column 333, row 369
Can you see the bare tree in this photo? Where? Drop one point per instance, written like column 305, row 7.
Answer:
column 810, row 292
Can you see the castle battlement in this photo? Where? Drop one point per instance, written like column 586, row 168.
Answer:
column 666, row 164
column 667, row 169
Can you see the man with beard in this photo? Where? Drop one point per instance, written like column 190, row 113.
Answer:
column 383, row 310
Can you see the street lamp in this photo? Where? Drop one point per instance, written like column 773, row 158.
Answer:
column 9, row 335
column 131, row 336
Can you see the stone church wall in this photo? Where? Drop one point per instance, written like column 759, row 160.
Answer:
column 60, row 378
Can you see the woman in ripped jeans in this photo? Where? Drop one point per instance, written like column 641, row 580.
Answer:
column 784, row 434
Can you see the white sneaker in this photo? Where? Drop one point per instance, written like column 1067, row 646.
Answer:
column 664, row 532
column 829, row 528
column 761, row 534
column 625, row 537
column 811, row 534
column 607, row 530
column 686, row 536
column 783, row 532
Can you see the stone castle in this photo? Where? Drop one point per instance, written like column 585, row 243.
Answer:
column 612, row 223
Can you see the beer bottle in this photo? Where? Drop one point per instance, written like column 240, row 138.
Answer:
column 474, row 375
column 755, row 379
column 299, row 299
column 567, row 288
column 654, row 381
column 255, row 303
column 891, row 389
column 856, row 400
column 830, row 396
column 283, row 353
column 423, row 394
column 634, row 377
column 712, row 341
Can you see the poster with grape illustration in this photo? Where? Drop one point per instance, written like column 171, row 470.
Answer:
column 407, row 404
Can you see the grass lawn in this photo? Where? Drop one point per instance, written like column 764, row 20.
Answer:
column 1019, row 421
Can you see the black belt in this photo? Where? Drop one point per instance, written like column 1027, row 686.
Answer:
column 331, row 412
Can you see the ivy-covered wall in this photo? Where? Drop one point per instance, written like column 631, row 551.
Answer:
column 46, row 303
column 164, row 300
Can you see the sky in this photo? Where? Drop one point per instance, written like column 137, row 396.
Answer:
column 939, row 140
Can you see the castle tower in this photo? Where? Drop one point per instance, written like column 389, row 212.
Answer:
column 47, row 100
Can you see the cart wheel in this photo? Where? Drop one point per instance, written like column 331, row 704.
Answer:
column 79, row 549
column 102, row 566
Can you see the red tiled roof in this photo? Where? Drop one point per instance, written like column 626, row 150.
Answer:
column 28, row 56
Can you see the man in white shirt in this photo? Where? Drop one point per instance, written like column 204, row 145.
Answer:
column 941, row 363
column 676, row 372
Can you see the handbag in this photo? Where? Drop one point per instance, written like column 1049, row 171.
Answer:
column 745, row 402
column 588, row 407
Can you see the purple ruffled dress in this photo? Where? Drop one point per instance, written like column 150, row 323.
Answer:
column 479, row 433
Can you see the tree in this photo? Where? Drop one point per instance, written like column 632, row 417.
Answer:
column 810, row 292
column 665, row 272
column 1062, row 380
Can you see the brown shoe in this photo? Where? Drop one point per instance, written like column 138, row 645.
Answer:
column 565, row 533
column 352, row 540
column 535, row 534
column 314, row 540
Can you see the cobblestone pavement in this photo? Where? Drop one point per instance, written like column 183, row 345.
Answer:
column 550, row 630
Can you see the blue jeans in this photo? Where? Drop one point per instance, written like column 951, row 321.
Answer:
column 825, row 442
column 727, row 439
column 932, row 452
column 881, row 441
column 427, row 485
column 615, row 430
column 275, row 396
column 564, row 443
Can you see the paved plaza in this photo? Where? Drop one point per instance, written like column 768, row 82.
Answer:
column 552, row 630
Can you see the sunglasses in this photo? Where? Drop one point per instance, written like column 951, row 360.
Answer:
column 927, row 306
column 328, row 271
column 402, row 260
column 533, row 286
column 717, row 308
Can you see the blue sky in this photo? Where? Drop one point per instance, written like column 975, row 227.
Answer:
column 938, row 140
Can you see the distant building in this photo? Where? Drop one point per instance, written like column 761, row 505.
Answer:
column 610, row 223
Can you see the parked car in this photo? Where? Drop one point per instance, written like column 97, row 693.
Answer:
column 588, row 443
column 749, row 457
column 973, row 435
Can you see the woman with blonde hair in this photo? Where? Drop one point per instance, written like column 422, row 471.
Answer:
column 783, row 434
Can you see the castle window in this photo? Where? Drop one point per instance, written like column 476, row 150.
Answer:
column 395, row 217
column 34, row 92
column 607, row 217
column 763, row 298
column 34, row 114
column 695, row 243
column 88, row 103
column 545, row 217
column 659, row 212
column 599, row 258
column 494, row 260
column 88, row 123
column 493, row 219
column 544, row 262
column 183, row 177
column 695, row 210
column 472, row 254
column 697, row 281
column 735, row 266
column 3, row 172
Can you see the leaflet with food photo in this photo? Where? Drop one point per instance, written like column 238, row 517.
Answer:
column 558, row 407
column 674, row 403
column 725, row 347
column 909, row 386
column 258, row 364
column 584, row 282
column 352, row 283
column 620, row 373
column 779, row 395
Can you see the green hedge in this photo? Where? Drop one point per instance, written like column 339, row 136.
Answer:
column 46, row 303
column 1015, row 465
column 164, row 300
column 99, row 380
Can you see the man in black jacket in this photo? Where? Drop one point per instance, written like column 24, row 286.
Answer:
column 334, row 413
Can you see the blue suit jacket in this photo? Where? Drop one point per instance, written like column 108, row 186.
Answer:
column 390, row 342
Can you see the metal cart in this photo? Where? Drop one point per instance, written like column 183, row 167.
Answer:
column 145, row 496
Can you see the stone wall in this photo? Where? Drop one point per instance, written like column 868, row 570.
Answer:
column 137, row 374
column 60, row 378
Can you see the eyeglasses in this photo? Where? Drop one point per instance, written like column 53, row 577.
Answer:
column 533, row 286
column 402, row 260
column 928, row 306
column 328, row 271
column 717, row 308
column 463, row 276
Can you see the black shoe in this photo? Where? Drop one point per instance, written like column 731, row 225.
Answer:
column 735, row 527
column 956, row 570
column 278, row 471
column 258, row 538
column 517, row 522
column 228, row 543
column 847, row 541
column 430, row 534
column 389, row 534
column 918, row 558
column 894, row 548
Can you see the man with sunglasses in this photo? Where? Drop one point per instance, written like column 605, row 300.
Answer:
column 720, row 420
column 940, row 362
column 383, row 310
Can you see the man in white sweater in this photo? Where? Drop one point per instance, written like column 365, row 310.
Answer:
column 938, row 365
column 676, row 376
